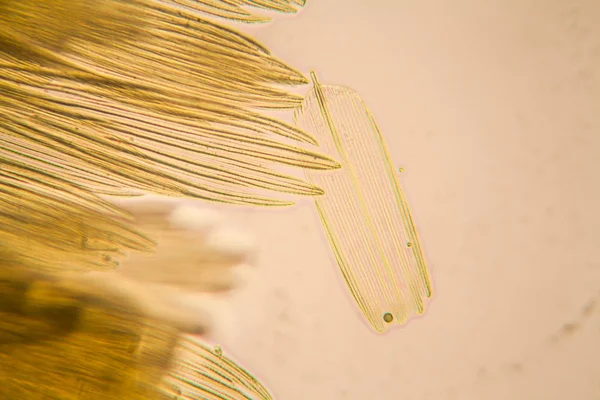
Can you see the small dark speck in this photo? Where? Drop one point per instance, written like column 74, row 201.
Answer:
column 516, row 367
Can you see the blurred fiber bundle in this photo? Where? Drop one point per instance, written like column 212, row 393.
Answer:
column 122, row 98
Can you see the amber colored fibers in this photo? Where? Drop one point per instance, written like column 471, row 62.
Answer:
column 85, row 349
column 121, row 97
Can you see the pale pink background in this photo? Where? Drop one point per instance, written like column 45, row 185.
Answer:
column 493, row 109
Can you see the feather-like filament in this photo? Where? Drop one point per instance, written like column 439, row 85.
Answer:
column 221, row 377
column 124, row 97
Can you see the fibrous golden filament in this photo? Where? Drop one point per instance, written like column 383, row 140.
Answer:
column 68, row 334
column 202, row 372
column 58, row 341
column 125, row 97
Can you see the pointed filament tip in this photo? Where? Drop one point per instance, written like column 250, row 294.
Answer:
column 313, row 76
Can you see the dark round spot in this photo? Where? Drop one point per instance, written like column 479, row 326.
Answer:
column 387, row 317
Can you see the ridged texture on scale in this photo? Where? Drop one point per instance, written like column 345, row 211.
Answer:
column 364, row 211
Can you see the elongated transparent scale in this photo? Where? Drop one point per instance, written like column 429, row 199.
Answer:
column 364, row 211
